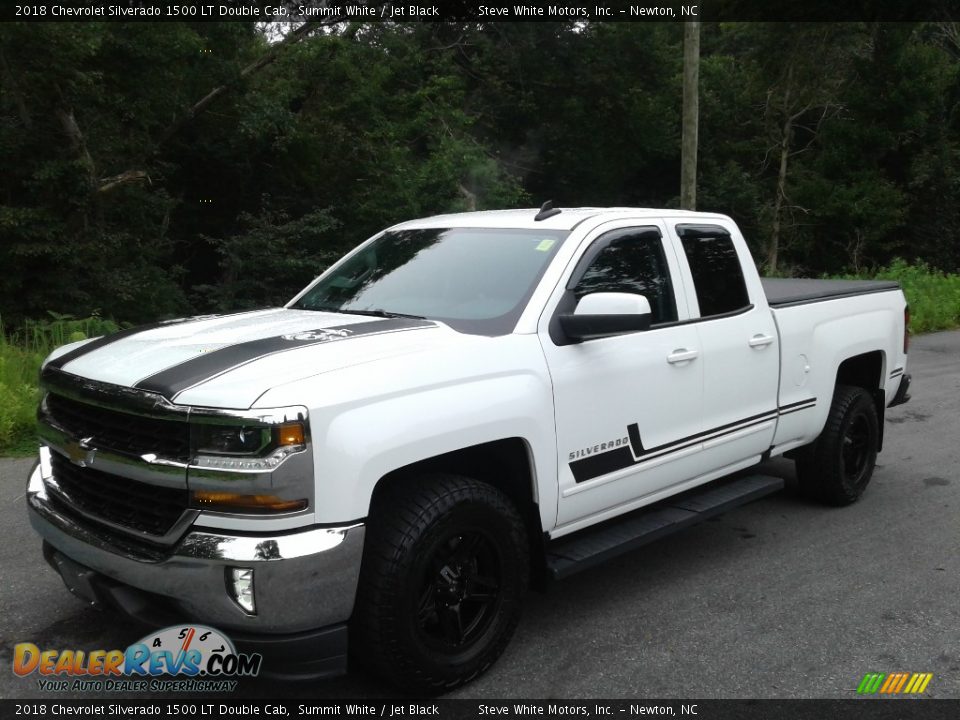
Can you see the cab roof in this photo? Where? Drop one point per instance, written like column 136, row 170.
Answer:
column 567, row 219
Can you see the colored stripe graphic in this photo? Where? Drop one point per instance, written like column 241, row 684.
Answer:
column 865, row 683
column 903, row 679
column 891, row 681
column 894, row 684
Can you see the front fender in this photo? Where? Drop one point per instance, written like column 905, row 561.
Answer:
column 362, row 445
column 370, row 419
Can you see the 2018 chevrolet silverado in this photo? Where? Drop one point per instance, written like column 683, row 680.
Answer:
column 460, row 407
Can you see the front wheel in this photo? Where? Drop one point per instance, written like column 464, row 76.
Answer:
column 444, row 573
column 837, row 467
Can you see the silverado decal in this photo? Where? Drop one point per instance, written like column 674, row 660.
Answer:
column 200, row 369
column 598, row 448
column 618, row 455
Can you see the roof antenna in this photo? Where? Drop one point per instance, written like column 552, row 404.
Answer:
column 547, row 210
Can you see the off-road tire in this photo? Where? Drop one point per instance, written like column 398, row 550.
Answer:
column 419, row 582
column 836, row 468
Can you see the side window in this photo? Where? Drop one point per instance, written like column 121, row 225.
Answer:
column 632, row 261
column 715, row 266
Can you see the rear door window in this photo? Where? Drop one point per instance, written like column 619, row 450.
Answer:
column 716, row 270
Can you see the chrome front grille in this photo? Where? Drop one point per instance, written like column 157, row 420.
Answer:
column 120, row 458
column 123, row 432
column 143, row 508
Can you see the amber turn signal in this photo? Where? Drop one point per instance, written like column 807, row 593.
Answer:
column 223, row 501
column 291, row 434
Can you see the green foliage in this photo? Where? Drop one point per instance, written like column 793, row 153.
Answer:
column 19, row 366
column 270, row 261
column 21, row 353
column 123, row 191
column 933, row 296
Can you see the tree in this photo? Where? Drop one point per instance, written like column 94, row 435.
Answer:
column 691, row 115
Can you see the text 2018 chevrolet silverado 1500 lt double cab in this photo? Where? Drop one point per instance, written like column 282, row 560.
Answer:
column 461, row 406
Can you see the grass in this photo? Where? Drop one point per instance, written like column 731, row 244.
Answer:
column 934, row 296
column 21, row 353
column 934, row 299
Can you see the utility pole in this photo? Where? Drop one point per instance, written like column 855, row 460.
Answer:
column 691, row 115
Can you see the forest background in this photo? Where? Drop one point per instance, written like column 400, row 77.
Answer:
column 159, row 170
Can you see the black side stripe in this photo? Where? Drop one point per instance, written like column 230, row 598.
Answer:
column 173, row 380
column 789, row 406
column 797, row 407
column 623, row 457
column 59, row 362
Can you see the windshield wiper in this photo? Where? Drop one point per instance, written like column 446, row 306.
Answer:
column 375, row 312
column 378, row 312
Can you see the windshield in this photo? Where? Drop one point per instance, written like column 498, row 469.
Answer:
column 475, row 280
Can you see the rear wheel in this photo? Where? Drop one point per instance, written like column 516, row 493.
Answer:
column 444, row 573
column 837, row 467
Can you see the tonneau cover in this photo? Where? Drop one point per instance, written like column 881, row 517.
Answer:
column 798, row 291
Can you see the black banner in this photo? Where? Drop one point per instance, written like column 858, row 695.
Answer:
column 332, row 11
column 403, row 709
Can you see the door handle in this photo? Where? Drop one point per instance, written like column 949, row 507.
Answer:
column 760, row 340
column 682, row 355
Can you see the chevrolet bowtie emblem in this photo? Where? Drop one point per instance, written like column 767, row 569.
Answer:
column 81, row 452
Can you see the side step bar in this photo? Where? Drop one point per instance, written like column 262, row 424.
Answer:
column 590, row 547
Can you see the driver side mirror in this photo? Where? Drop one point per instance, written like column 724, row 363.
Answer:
column 607, row 314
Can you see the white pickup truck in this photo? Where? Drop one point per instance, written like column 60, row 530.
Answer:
column 461, row 407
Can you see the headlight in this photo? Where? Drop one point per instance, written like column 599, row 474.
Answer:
column 231, row 440
column 247, row 440
column 239, row 445
column 243, row 451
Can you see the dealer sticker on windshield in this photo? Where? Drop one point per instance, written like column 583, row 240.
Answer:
column 546, row 244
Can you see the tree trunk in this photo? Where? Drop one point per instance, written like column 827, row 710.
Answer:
column 470, row 197
column 691, row 116
column 786, row 135
column 773, row 250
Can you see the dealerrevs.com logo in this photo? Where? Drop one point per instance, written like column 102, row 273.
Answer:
column 184, row 658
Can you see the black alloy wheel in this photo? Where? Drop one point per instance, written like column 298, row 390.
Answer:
column 838, row 466
column 444, row 572
column 460, row 591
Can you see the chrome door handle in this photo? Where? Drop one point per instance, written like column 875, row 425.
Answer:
column 760, row 340
column 682, row 355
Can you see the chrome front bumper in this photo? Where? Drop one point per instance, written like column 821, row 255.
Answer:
column 303, row 580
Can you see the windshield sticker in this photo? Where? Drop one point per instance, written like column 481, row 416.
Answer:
column 545, row 245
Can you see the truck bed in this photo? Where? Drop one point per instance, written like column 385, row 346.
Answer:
column 784, row 292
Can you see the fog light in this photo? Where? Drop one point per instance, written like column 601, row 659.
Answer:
column 241, row 588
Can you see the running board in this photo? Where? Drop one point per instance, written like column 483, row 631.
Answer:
column 592, row 546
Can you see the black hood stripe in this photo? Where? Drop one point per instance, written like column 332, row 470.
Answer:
column 188, row 374
column 100, row 342
column 59, row 362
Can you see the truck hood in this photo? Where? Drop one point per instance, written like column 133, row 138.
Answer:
column 231, row 360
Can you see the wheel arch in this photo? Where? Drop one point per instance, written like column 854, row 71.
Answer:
column 506, row 464
column 866, row 370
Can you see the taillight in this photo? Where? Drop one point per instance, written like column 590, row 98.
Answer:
column 906, row 329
